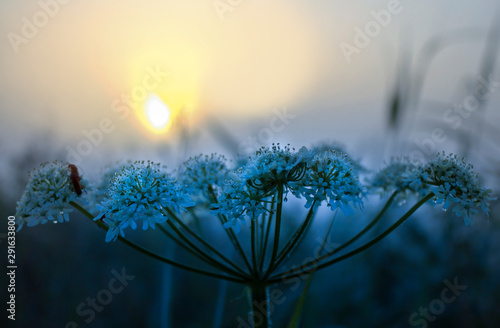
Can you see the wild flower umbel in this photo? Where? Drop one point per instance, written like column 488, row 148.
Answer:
column 271, row 167
column 338, row 147
column 140, row 192
column 330, row 178
column 48, row 194
column 100, row 190
column 239, row 201
column 249, row 190
column 317, row 175
column 452, row 180
column 203, row 175
column 395, row 177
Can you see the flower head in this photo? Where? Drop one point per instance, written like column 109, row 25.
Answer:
column 394, row 177
column 330, row 178
column 239, row 201
column 140, row 191
column 317, row 175
column 339, row 147
column 275, row 166
column 453, row 181
column 203, row 175
column 47, row 196
column 106, row 176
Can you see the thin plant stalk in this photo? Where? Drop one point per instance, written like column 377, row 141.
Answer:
column 253, row 246
column 154, row 255
column 266, row 237
column 202, row 254
column 207, row 245
column 362, row 232
column 314, row 266
column 277, row 229
column 261, row 314
column 230, row 233
column 295, row 240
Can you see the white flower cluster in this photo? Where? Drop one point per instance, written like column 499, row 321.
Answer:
column 101, row 188
column 239, row 201
column 339, row 147
column 249, row 190
column 453, row 181
column 395, row 177
column 318, row 176
column 140, row 191
column 144, row 192
column 275, row 166
column 201, row 175
column 47, row 195
column 330, row 177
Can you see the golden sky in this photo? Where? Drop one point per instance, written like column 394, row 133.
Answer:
column 70, row 66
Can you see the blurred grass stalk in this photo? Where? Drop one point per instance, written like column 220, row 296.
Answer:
column 404, row 100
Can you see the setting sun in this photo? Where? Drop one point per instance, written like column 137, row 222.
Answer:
column 157, row 112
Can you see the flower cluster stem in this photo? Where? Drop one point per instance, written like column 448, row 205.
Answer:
column 313, row 266
column 253, row 232
column 266, row 235
column 231, row 235
column 201, row 254
column 261, row 314
column 277, row 229
column 203, row 242
column 156, row 256
column 295, row 240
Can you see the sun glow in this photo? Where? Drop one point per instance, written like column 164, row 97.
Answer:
column 193, row 66
column 163, row 92
column 157, row 112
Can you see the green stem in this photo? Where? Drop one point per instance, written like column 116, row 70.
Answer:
column 253, row 246
column 175, row 239
column 358, row 235
column 196, row 220
column 186, row 247
column 266, row 237
column 207, row 245
column 261, row 314
column 301, row 270
column 296, row 239
column 201, row 254
column 277, row 229
column 236, row 242
column 231, row 235
column 154, row 255
column 261, row 231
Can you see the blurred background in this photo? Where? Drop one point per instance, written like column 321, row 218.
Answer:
column 98, row 81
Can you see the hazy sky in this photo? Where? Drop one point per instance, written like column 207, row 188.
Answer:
column 70, row 67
